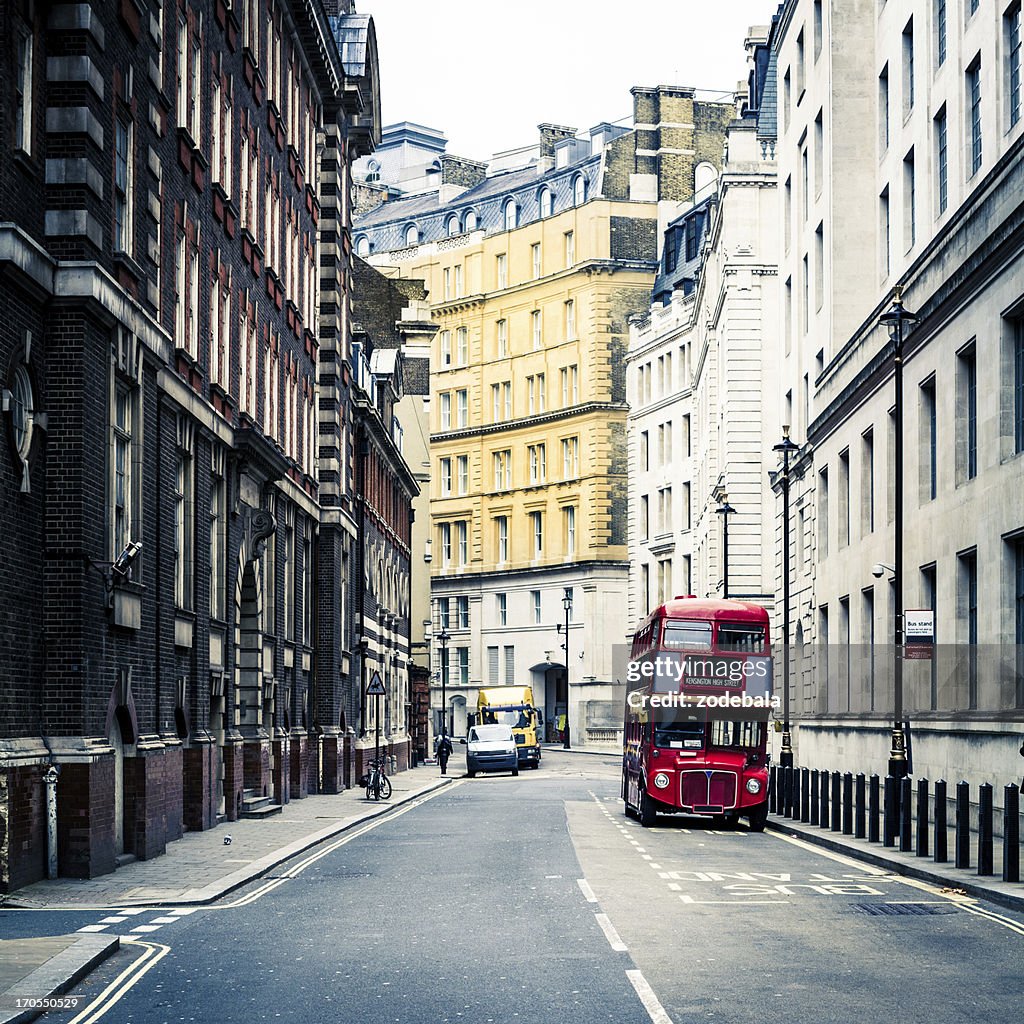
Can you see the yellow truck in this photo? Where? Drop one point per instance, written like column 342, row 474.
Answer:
column 513, row 706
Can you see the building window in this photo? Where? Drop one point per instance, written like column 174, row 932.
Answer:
column 183, row 531
column 469, row 221
column 884, row 230
column 462, row 406
column 1018, row 612
column 819, row 266
column 458, row 280
column 123, row 184
column 537, row 530
column 446, row 410
column 503, row 470
column 967, row 413
column 362, row 242
column 535, row 330
column 289, row 574
column 974, row 115
column 445, row 544
column 570, row 385
column 942, row 159
column 462, row 346
column 446, row 348
column 968, row 608
column 218, row 546
column 412, row 235
column 462, row 540
column 463, row 473
column 510, row 665
column 579, row 190
column 307, row 586
column 908, row 69
column 817, row 29
column 510, row 215
column 446, row 478
column 645, row 517
column 462, row 612
column 909, row 202
column 546, row 202
column 535, row 605
column 538, row 463
column 502, row 607
column 883, row 108
column 823, row 513
column 940, row 32
column 452, row 225
column 23, row 92
column 867, row 484
column 1011, row 23
column 535, row 259
column 570, row 458
column 446, row 277
column 501, row 525
column 462, row 660
column 502, row 338
column 124, row 500
column 927, row 441
column 501, row 270
column 1018, row 385
column 570, row 249
column 570, row 320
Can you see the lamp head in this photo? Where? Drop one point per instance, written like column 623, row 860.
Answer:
column 122, row 565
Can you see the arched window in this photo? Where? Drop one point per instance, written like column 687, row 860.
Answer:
column 579, row 190
column 546, row 202
column 373, row 170
column 511, row 214
column 452, row 225
column 412, row 235
column 704, row 178
column 469, row 221
column 362, row 246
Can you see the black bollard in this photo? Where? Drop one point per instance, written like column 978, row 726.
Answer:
column 922, row 817
column 815, row 798
column 874, row 786
column 825, row 776
column 773, row 789
column 795, row 792
column 941, row 836
column 787, row 791
column 1011, row 833
column 837, row 802
column 859, row 813
column 985, row 829
column 890, row 823
column 906, row 816
column 848, row 804
column 805, row 795
column 963, row 825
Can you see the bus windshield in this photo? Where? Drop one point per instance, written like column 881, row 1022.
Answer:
column 687, row 633
column 675, row 730
column 737, row 637
column 737, row 735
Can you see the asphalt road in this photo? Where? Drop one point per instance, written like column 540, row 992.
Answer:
column 535, row 901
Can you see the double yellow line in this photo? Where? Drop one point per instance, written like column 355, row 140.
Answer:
column 153, row 953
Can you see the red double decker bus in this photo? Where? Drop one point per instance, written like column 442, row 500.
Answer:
column 699, row 696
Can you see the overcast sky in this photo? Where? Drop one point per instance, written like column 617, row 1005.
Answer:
column 487, row 72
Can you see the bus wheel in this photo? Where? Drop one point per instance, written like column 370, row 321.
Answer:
column 758, row 817
column 646, row 814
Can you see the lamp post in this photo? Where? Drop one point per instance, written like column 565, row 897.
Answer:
column 894, row 320
column 567, row 605
column 786, row 447
column 725, row 510
column 442, row 638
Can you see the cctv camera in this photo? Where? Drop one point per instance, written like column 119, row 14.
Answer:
column 123, row 563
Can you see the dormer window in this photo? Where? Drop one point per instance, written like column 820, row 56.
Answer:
column 579, row 190
column 511, row 214
column 412, row 235
column 362, row 246
column 469, row 221
column 546, row 202
column 452, row 225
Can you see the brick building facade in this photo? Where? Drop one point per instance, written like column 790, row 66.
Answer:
column 165, row 589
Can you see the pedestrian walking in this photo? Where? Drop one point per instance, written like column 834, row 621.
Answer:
column 444, row 751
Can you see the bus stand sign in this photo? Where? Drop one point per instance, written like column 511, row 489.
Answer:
column 918, row 633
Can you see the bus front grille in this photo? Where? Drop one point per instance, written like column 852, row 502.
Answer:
column 706, row 789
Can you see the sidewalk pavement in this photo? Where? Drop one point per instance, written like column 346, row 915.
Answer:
column 32, row 970
column 203, row 866
column 985, row 887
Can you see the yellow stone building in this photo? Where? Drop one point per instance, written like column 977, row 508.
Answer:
column 532, row 274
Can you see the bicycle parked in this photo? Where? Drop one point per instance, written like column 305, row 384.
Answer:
column 378, row 785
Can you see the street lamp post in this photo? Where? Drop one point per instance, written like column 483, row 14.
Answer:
column 725, row 510
column 894, row 320
column 786, row 447
column 567, row 605
column 442, row 638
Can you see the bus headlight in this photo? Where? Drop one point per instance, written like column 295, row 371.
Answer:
column 753, row 785
column 661, row 780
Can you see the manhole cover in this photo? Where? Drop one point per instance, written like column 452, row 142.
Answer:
column 902, row 909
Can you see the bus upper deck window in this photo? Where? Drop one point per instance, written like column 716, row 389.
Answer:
column 687, row 633
column 740, row 638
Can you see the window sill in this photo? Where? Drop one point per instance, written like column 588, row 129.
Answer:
column 123, row 261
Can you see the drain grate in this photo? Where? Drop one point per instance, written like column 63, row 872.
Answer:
column 902, row 909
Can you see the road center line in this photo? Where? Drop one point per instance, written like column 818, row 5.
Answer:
column 588, row 893
column 610, row 933
column 153, row 953
column 646, row 995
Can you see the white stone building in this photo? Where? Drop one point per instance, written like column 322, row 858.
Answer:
column 899, row 160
